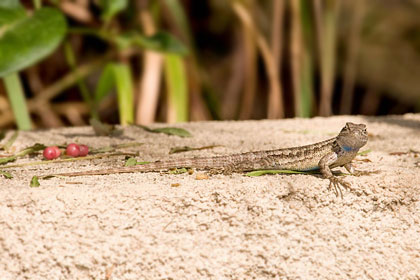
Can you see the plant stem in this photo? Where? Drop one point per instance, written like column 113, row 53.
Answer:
column 17, row 101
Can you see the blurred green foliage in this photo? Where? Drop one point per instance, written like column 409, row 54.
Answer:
column 170, row 60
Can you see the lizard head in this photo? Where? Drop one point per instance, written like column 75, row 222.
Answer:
column 353, row 136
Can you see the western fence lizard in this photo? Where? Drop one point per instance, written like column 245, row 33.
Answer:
column 322, row 156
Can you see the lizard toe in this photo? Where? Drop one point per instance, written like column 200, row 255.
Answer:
column 336, row 184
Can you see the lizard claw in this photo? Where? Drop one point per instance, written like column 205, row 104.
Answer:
column 335, row 183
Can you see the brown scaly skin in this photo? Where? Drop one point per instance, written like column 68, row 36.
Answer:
column 323, row 156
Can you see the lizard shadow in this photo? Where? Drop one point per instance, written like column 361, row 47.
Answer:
column 92, row 135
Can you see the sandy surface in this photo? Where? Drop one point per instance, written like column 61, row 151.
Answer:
column 141, row 226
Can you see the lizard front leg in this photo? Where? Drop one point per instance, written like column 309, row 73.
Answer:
column 324, row 166
column 352, row 171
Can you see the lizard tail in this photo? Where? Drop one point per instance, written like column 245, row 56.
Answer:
column 198, row 163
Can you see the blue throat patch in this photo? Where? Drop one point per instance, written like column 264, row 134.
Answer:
column 348, row 148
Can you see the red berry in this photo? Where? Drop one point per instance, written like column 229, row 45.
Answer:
column 51, row 152
column 73, row 150
column 84, row 150
column 57, row 150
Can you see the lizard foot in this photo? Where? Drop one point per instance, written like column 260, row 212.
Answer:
column 335, row 183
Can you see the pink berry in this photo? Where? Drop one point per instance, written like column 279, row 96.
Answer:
column 73, row 150
column 51, row 152
column 57, row 150
column 84, row 150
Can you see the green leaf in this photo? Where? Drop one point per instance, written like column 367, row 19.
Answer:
column 143, row 162
column 10, row 15
column 130, row 162
column 6, row 175
column 30, row 39
column 31, row 150
column 5, row 160
column 112, row 7
column 365, row 152
column 168, row 130
column 34, row 182
column 178, row 170
column 10, row 11
column 263, row 172
column 176, row 80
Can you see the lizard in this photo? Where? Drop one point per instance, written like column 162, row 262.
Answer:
column 323, row 156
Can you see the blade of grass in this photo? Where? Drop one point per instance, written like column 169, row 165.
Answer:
column 176, row 83
column 232, row 96
column 275, row 98
column 296, row 55
column 175, row 150
column 196, row 73
column 307, row 71
column 17, row 101
column 350, row 64
column 327, row 20
column 39, row 101
column 250, row 65
column 263, row 172
column 125, row 93
column 150, row 81
column 105, row 84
